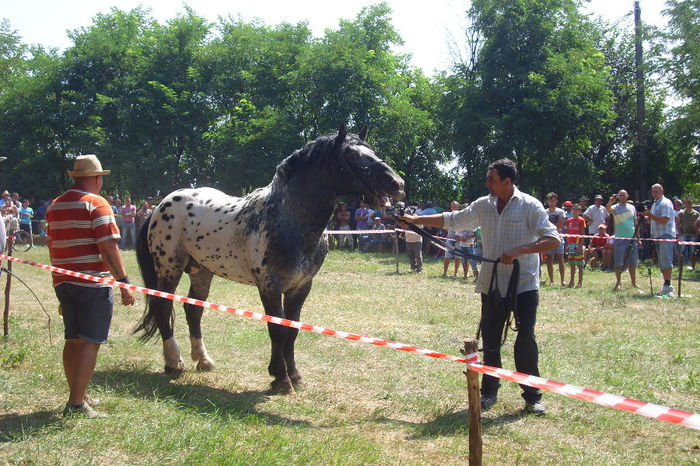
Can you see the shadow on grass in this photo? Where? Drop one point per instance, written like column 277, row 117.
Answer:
column 455, row 423
column 15, row 427
column 688, row 275
column 201, row 399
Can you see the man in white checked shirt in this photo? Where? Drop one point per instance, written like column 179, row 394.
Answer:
column 514, row 225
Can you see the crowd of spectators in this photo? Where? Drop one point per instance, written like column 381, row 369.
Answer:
column 129, row 217
column 29, row 214
column 616, row 229
column 361, row 218
column 608, row 237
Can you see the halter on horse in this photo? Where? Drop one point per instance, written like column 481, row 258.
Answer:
column 271, row 238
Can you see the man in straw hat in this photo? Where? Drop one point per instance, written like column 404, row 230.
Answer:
column 83, row 237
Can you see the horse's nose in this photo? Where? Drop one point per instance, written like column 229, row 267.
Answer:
column 397, row 186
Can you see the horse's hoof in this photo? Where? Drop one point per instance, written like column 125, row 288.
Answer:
column 282, row 387
column 175, row 372
column 205, row 365
column 296, row 380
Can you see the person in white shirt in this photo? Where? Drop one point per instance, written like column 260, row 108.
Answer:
column 663, row 226
column 514, row 225
column 596, row 215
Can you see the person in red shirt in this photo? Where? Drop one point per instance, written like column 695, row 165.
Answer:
column 83, row 237
column 575, row 225
column 600, row 248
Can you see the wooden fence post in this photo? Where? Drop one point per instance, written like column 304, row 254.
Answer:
column 680, row 268
column 470, row 347
column 396, row 251
column 6, row 313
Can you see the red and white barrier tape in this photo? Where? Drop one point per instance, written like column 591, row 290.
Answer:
column 682, row 243
column 564, row 235
column 253, row 315
column 662, row 413
column 674, row 416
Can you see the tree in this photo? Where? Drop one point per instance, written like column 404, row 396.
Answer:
column 540, row 88
column 346, row 75
column 408, row 134
column 256, row 120
column 12, row 55
column 683, row 36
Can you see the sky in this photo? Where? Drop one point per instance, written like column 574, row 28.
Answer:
column 430, row 29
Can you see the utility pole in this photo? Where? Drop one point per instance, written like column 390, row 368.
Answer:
column 641, row 110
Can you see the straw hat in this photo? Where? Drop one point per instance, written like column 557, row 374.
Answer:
column 87, row 165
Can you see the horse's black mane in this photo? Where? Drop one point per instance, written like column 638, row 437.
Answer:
column 315, row 152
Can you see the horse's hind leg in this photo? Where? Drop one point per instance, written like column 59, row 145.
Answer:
column 272, row 302
column 163, row 310
column 293, row 301
column 200, row 281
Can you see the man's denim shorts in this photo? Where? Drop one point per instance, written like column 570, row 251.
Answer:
column 87, row 311
column 622, row 245
column 664, row 252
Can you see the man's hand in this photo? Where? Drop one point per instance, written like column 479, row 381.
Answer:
column 128, row 298
column 509, row 257
column 403, row 220
column 435, row 220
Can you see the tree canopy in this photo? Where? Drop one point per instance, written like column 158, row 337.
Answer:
column 194, row 103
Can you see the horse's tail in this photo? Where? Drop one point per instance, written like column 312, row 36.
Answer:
column 148, row 324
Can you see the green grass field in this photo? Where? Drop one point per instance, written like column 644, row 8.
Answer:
column 358, row 403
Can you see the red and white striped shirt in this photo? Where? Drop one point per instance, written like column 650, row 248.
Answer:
column 77, row 221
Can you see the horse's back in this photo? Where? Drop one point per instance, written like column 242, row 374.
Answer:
column 222, row 233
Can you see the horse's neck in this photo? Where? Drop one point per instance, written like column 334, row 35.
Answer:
column 308, row 204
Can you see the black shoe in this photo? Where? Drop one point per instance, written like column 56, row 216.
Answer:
column 487, row 401
column 535, row 408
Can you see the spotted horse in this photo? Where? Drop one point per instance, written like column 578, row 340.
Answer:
column 272, row 239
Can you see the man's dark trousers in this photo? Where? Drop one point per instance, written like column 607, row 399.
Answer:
column 525, row 348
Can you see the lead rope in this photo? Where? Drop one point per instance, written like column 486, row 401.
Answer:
column 511, row 298
column 510, row 301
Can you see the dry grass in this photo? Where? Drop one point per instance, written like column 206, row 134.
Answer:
column 358, row 403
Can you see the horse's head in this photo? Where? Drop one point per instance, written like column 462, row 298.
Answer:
column 359, row 171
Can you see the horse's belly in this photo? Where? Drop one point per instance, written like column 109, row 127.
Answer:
column 233, row 263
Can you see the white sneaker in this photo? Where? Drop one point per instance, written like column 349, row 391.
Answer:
column 667, row 290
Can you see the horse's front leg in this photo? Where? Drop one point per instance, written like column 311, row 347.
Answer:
column 272, row 302
column 293, row 301
column 200, row 282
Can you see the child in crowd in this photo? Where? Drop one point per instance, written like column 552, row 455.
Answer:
column 598, row 253
column 414, row 248
column 575, row 225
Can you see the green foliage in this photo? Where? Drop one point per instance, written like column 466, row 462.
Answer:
column 188, row 103
column 683, row 65
column 191, row 103
column 12, row 355
column 537, row 92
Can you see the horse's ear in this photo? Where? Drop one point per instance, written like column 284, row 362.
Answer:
column 363, row 133
column 342, row 131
